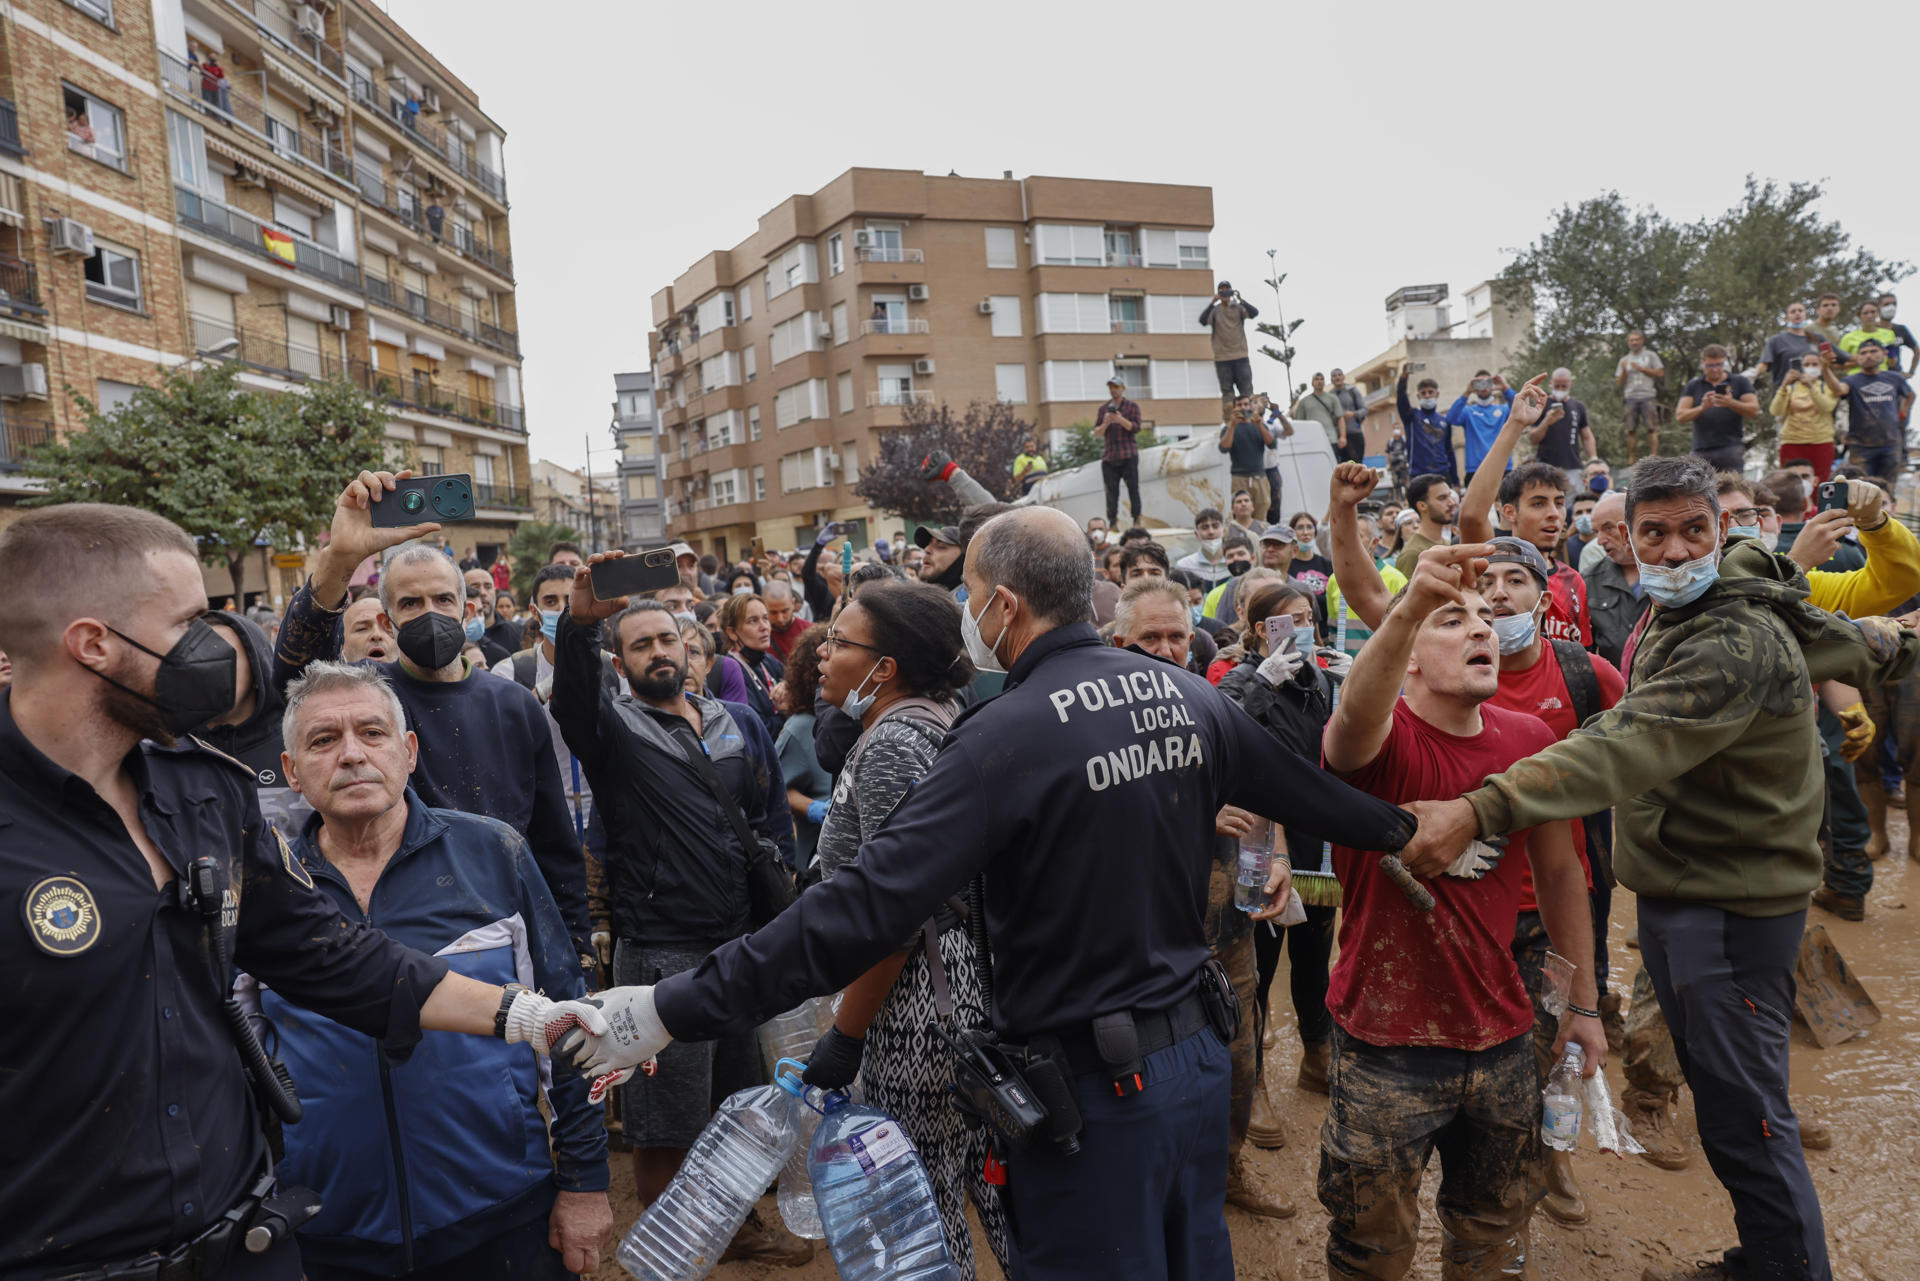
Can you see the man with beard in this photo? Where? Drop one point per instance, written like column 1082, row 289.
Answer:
column 676, row 865
column 134, row 874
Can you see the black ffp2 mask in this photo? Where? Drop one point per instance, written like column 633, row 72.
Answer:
column 432, row 641
column 195, row 682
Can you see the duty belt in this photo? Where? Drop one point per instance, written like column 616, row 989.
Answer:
column 1102, row 1047
column 255, row 1224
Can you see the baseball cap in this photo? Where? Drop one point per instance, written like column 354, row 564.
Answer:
column 948, row 534
column 1277, row 534
column 1225, row 284
column 1407, row 516
column 681, row 549
column 1518, row 551
column 1116, row 381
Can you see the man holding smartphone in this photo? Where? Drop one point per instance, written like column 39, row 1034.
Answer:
column 1719, row 404
column 1227, row 316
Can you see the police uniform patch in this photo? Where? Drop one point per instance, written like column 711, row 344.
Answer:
column 294, row 867
column 62, row 916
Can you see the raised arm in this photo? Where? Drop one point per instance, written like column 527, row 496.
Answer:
column 579, row 703
column 1361, row 586
column 1528, row 407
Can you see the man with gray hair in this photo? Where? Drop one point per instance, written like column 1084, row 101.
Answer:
column 468, row 890
column 1564, row 435
column 1153, row 618
column 485, row 745
column 1084, row 795
column 1709, row 757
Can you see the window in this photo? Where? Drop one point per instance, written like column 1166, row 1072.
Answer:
column 714, row 312
column 1128, row 313
column 483, row 469
column 99, row 10
column 753, row 422
column 750, row 360
column 1193, row 248
column 724, row 489
column 839, row 323
column 1075, row 246
column 1010, row 384
column 637, row 446
column 293, row 216
column 1071, row 314
column 636, row 404
column 760, row 484
column 791, row 337
column 806, row 469
column 846, row 393
column 1122, row 248
column 95, row 129
column 799, row 265
column 1003, row 249
column 113, row 276
column 888, row 315
column 836, row 261
column 1134, row 374
column 1175, row 314
column 303, row 346
column 801, row 401
column 895, row 384
column 719, row 371
column 1184, row 380
column 110, row 395
column 643, row 487
column 746, row 301
column 850, row 462
column 1006, row 315
column 1075, row 379
column 188, row 142
column 432, row 461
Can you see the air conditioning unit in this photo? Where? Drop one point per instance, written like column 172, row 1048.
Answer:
column 986, row 306
column 923, row 366
column 863, row 240
column 833, row 462
column 430, row 100
column 313, row 22
column 70, row 236
column 246, row 177
column 339, row 317
column 917, row 293
column 19, row 382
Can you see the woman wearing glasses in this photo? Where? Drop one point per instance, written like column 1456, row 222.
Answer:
column 893, row 661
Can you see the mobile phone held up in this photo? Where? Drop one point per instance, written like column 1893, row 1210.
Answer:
column 634, row 574
column 1832, row 496
column 1280, row 634
column 419, row 499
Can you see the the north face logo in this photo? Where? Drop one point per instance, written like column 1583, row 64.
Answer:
column 1550, row 704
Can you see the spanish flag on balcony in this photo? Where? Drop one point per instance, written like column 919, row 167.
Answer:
column 279, row 244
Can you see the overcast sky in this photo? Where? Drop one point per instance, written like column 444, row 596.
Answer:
column 1372, row 145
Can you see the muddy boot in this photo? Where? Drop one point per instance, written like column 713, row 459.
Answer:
column 1245, row 1190
column 1848, row 907
column 766, row 1242
column 1563, row 1202
column 1658, row 1133
column 1875, row 797
column 1264, row 1127
column 1613, row 1021
column 1313, row 1067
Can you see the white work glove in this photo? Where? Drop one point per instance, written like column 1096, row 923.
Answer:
column 545, row 1024
column 1479, row 858
column 1339, row 662
column 628, row 1034
column 1279, row 667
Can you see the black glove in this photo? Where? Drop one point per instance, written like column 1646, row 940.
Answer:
column 835, row 1060
column 933, row 464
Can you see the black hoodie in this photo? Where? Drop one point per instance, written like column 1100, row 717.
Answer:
column 255, row 742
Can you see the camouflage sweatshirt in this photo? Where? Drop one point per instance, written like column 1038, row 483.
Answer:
column 1710, row 756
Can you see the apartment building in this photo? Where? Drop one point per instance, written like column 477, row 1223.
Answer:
column 589, row 506
column 300, row 187
column 643, row 520
column 777, row 363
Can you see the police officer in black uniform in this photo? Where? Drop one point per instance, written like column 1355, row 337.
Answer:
column 1086, row 794
column 133, row 876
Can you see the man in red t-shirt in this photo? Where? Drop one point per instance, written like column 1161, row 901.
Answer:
column 1431, row 1044
column 783, row 615
column 1538, row 677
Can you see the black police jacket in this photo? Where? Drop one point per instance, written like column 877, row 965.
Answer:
column 129, row 1124
column 1086, row 792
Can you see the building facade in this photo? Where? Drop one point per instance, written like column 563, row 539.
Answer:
column 643, row 519
column 566, row 496
column 777, row 363
column 302, row 188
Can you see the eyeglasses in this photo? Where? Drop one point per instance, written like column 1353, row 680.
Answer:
column 835, row 638
column 1746, row 515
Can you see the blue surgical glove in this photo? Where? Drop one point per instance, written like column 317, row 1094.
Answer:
column 817, row 811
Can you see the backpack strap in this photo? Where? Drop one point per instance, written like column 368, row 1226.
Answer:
column 1583, row 683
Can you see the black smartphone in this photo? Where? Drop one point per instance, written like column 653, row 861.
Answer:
column 635, row 574
column 419, row 499
column 1832, row 496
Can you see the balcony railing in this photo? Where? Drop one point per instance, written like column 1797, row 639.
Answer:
column 18, row 435
column 889, row 253
column 236, row 106
column 464, row 243
column 1129, row 326
column 878, row 326
column 455, row 152
column 10, row 128
column 403, row 204
column 258, row 237
column 1124, row 260
column 276, row 22
column 501, row 496
column 441, row 316
column 423, row 394
column 20, row 289
column 898, row 396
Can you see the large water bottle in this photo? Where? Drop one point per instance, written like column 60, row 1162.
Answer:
column 798, row 1208
column 1563, row 1102
column 683, row 1234
column 792, row 1035
column 876, row 1202
column 1256, row 861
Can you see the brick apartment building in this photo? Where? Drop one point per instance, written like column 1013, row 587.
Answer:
column 333, row 206
column 777, row 362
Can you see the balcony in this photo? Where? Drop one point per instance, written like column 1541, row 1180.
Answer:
column 888, row 253
column 507, row 496
column 403, row 206
column 19, row 435
column 233, row 105
column 262, row 239
column 218, row 340
column 20, row 290
column 274, row 20
column 879, row 325
column 1129, row 326
column 1125, row 260
column 451, row 150
column 898, row 396
column 10, row 128
column 441, row 316
column 421, row 393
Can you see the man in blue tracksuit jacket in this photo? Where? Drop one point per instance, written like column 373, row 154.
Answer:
column 1482, row 410
column 438, row 1166
column 1429, row 432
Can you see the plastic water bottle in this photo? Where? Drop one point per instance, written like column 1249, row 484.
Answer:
column 1563, row 1102
column 792, row 1035
column 876, row 1202
column 684, row 1233
column 798, row 1209
column 1256, row 860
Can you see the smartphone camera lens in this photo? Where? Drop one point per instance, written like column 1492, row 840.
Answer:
column 413, row 500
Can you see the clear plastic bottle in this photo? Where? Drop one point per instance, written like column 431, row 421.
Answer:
column 798, row 1208
column 1256, row 861
column 876, row 1202
column 792, row 1035
column 1563, row 1102
column 683, row 1234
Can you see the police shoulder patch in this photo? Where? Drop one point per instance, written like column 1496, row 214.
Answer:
column 61, row 916
column 294, row 867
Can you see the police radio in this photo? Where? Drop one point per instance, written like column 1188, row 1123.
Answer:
column 988, row 1087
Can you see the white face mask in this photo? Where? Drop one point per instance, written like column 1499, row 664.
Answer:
column 1429, row 402
column 1515, row 632
column 855, row 704
column 1559, row 393
column 1210, row 547
column 1811, row 372
column 981, row 653
column 1886, row 312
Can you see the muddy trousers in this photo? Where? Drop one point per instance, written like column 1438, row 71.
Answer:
column 1392, row 1107
column 1725, row 983
column 1238, row 960
column 1848, row 869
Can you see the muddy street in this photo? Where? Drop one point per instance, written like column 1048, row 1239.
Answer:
column 1864, row 1091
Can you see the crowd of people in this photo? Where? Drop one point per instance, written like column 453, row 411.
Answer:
column 996, row 777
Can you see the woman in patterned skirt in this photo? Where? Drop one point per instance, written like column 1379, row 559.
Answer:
column 893, row 660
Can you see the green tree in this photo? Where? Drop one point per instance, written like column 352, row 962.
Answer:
column 1084, row 445
column 233, row 467
column 1604, row 268
column 527, row 552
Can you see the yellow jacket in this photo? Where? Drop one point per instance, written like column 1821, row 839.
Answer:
column 1891, row 577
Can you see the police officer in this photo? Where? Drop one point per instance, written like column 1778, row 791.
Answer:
column 1086, row 794
column 133, row 875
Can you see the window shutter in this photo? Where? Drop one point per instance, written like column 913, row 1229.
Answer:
column 1162, row 250
column 1089, row 246
column 1010, row 383
column 1095, row 316
column 1002, row 249
column 1006, row 315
